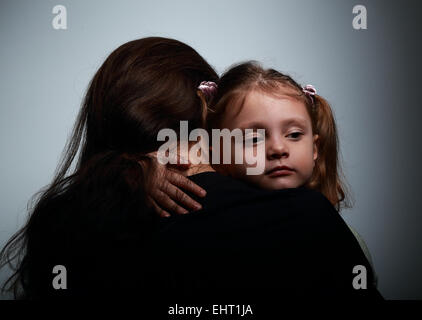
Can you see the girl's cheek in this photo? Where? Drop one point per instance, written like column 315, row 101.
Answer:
column 255, row 160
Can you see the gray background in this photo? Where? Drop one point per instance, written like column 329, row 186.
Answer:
column 371, row 77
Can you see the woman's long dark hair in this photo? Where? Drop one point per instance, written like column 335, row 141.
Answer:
column 143, row 86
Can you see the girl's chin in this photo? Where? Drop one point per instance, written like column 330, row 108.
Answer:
column 277, row 183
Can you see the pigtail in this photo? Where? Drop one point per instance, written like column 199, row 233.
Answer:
column 328, row 177
column 206, row 92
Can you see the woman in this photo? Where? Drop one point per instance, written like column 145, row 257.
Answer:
column 143, row 86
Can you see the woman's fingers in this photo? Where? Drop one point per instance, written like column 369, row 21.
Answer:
column 184, row 183
column 168, row 189
column 164, row 200
column 157, row 209
column 180, row 197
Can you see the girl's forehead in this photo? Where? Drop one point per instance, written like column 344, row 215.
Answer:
column 262, row 106
column 277, row 105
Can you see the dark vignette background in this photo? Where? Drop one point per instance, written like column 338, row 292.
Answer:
column 371, row 77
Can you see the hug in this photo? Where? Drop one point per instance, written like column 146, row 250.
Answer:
column 118, row 220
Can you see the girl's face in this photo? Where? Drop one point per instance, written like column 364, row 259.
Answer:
column 288, row 140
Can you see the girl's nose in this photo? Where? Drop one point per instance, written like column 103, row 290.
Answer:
column 276, row 149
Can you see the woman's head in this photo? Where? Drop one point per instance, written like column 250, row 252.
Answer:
column 143, row 86
column 300, row 131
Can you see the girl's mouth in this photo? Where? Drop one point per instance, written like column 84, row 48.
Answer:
column 280, row 171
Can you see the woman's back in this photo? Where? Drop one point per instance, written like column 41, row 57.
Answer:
column 92, row 229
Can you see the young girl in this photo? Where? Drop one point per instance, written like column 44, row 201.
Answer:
column 301, row 143
column 300, row 131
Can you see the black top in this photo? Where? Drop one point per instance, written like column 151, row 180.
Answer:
column 245, row 241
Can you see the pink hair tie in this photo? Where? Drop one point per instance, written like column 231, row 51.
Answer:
column 208, row 88
column 310, row 91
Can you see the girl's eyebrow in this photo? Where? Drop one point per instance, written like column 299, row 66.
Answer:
column 298, row 121
column 252, row 125
column 286, row 122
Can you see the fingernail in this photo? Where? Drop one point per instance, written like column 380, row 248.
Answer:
column 185, row 211
column 203, row 193
column 167, row 215
column 198, row 207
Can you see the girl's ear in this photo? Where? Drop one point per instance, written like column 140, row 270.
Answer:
column 316, row 142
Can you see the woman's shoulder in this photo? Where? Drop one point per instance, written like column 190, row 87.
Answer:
column 365, row 250
column 222, row 183
column 222, row 190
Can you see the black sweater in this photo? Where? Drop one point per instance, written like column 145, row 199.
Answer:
column 244, row 242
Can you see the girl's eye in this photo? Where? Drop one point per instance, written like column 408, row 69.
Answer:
column 254, row 139
column 295, row 134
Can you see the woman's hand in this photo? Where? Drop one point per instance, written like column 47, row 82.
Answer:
column 166, row 193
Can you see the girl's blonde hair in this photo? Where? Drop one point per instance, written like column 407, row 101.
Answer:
column 233, row 87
